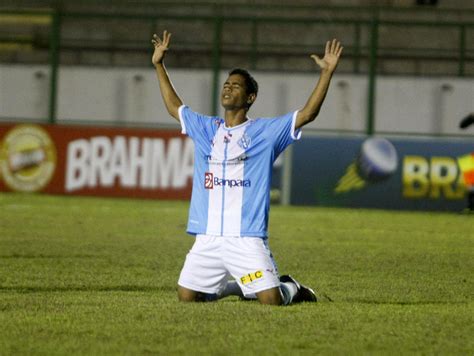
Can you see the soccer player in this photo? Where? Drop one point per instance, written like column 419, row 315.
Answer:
column 231, row 185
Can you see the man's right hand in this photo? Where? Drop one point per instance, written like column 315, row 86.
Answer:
column 161, row 46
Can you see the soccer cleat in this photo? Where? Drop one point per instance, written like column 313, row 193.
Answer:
column 304, row 294
column 247, row 299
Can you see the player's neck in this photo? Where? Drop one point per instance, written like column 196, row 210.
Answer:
column 235, row 117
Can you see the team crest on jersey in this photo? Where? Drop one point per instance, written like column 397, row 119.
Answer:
column 245, row 141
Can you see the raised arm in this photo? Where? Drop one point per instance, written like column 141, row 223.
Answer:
column 168, row 93
column 327, row 65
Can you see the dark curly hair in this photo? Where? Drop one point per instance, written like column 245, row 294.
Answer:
column 251, row 85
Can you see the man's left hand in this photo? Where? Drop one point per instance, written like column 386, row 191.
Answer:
column 331, row 56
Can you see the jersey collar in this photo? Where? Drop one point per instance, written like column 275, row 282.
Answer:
column 238, row 126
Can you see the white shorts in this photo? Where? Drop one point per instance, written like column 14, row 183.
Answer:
column 213, row 259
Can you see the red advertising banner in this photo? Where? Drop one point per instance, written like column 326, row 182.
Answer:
column 102, row 161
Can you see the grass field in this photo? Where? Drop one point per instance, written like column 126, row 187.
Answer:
column 98, row 276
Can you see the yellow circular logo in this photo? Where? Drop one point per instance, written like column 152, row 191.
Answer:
column 27, row 158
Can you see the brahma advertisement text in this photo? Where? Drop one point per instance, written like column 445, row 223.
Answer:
column 77, row 160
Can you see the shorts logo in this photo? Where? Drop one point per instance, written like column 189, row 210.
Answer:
column 249, row 278
column 208, row 180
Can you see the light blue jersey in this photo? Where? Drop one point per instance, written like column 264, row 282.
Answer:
column 232, row 171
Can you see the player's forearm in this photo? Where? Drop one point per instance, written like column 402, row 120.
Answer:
column 312, row 107
column 168, row 93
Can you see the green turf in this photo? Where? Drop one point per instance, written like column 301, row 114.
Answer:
column 98, row 276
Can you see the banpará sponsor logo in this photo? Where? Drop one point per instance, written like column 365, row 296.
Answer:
column 130, row 162
column 210, row 181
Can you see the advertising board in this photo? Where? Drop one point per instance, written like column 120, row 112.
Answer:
column 103, row 161
column 413, row 174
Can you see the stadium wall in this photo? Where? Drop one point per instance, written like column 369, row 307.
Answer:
column 106, row 158
column 407, row 105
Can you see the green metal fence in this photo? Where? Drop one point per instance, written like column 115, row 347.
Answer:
column 367, row 41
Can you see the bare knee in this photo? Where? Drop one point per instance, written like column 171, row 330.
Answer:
column 270, row 296
column 186, row 295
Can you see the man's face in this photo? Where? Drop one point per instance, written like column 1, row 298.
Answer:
column 234, row 94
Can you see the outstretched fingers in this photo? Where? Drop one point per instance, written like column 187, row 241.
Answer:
column 166, row 38
column 318, row 60
column 334, row 47
column 332, row 53
column 157, row 41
